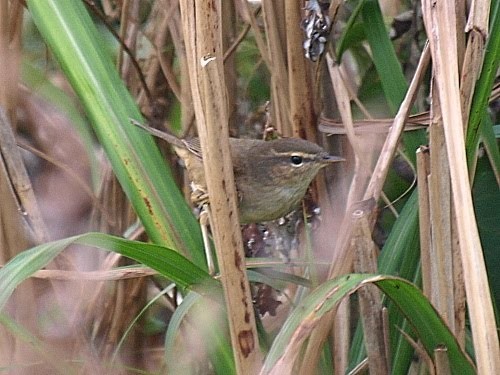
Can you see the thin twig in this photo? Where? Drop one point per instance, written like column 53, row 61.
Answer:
column 71, row 173
column 127, row 50
column 240, row 37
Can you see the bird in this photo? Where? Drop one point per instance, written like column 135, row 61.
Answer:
column 271, row 177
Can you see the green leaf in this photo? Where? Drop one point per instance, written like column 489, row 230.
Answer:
column 482, row 90
column 491, row 143
column 496, row 131
column 73, row 39
column 389, row 69
column 352, row 34
column 486, row 196
column 424, row 319
column 168, row 262
column 384, row 57
column 215, row 338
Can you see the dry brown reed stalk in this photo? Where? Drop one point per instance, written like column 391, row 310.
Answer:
column 343, row 262
column 477, row 28
column 441, row 264
column 159, row 41
column 422, row 354
column 362, row 167
column 442, row 361
column 229, row 28
column 162, row 29
column 15, row 238
column 20, row 227
column 299, row 77
column 370, row 299
column 129, row 28
column 21, row 188
column 274, row 26
column 250, row 17
column 424, row 218
column 201, row 25
column 109, row 307
column 440, row 22
column 440, row 218
column 341, row 334
column 459, row 297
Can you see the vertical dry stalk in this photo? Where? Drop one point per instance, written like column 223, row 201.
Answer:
column 15, row 190
column 129, row 27
column 162, row 28
column 276, row 43
column 460, row 9
column 440, row 217
column 312, row 353
column 390, row 146
column 341, row 337
column 442, row 361
column 9, row 56
column 259, row 40
column 343, row 263
column 361, row 163
column 229, row 29
column 201, row 25
column 377, row 180
column 108, row 308
column 423, row 356
column 424, row 218
column 477, row 27
column 440, row 23
column 299, row 76
column 13, row 240
column 27, row 210
column 370, row 302
column 459, row 297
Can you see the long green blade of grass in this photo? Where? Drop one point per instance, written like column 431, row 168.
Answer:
column 484, row 84
column 384, row 56
column 73, row 39
column 168, row 262
column 423, row 318
column 214, row 336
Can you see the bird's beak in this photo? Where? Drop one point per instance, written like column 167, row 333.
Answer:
column 327, row 159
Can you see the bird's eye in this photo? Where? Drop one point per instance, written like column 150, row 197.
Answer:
column 296, row 160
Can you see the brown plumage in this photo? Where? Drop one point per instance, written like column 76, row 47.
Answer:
column 271, row 177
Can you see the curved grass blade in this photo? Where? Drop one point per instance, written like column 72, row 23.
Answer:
column 168, row 262
column 425, row 321
column 215, row 337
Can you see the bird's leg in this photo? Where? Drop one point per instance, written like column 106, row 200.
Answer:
column 199, row 197
column 205, row 219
